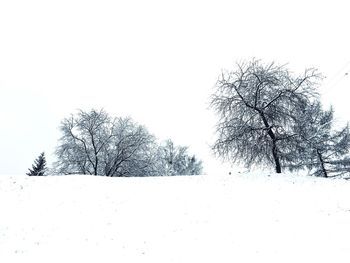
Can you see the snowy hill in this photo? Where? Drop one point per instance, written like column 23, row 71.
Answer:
column 237, row 218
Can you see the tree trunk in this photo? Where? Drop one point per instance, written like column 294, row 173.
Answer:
column 96, row 165
column 276, row 158
column 324, row 171
column 274, row 143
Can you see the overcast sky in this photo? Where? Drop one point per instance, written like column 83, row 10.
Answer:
column 155, row 61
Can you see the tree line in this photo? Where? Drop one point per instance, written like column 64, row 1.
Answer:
column 268, row 117
column 94, row 143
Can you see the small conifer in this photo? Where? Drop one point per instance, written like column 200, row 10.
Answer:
column 39, row 166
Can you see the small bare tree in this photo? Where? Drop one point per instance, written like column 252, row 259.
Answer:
column 174, row 160
column 257, row 104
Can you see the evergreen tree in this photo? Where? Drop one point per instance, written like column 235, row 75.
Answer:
column 321, row 149
column 39, row 166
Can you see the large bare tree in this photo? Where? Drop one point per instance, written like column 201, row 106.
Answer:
column 257, row 104
column 94, row 143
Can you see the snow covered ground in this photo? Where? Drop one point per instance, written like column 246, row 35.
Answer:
column 237, row 218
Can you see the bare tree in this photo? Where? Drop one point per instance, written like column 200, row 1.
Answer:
column 84, row 138
column 94, row 143
column 174, row 160
column 257, row 104
column 131, row 150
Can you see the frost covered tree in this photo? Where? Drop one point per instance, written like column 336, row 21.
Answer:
column 174, row 160
column 39, row 166
column 257, row 105
column 131, row 151
column 82, row 143
column 94, row 143
column 322, row 149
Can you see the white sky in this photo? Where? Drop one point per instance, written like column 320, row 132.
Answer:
column 156, row 61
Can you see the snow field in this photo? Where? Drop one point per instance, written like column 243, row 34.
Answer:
column 237, row 218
